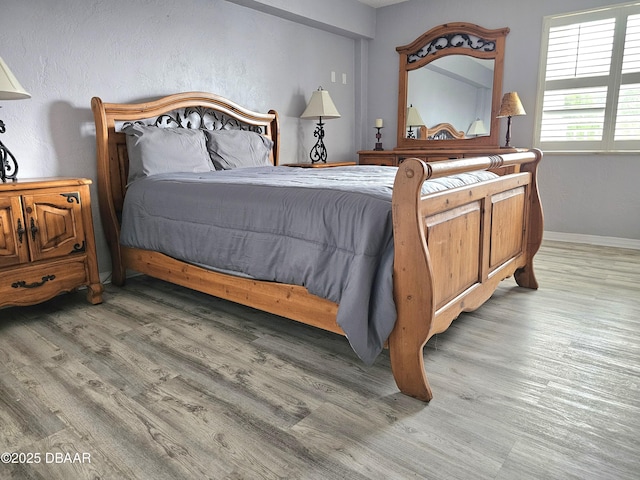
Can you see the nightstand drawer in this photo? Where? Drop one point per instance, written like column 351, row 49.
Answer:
column 36, row 283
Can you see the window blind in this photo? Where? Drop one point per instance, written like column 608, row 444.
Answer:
column 580, row 50
column 628, row 116
column 589, row 97
column 631, row 59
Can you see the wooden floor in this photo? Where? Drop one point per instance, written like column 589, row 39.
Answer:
column 162, row 383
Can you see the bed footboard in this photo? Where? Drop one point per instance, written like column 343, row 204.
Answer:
column 453, row 248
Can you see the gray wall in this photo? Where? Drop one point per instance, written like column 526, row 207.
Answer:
column 582, row 194
column 65, row 52
column 261, row 56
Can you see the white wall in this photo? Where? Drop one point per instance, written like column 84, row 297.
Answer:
column 581, row 194
column 66, row 51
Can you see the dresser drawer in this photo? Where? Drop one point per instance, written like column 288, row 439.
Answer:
column 389, row 161
column 37, row 283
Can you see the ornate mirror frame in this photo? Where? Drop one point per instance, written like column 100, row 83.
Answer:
column 452, row 39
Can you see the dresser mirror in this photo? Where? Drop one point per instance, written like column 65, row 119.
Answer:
column 450, row 87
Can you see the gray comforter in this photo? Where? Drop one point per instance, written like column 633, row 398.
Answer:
column 329, row 230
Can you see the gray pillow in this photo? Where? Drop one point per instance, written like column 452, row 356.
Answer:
column 238, row 149
column 165, row 150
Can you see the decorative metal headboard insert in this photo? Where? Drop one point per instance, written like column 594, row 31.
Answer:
column 198, row 117
column 441, row 135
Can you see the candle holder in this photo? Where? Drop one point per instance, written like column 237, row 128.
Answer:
column 378, row 137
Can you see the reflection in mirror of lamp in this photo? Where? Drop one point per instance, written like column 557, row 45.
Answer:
column 413, row 120
column 477, row 128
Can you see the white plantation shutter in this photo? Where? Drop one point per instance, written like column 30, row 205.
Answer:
column 628, row 117
column 589, row 98
column 631, row 59
column 573, row 115
column 580, row 50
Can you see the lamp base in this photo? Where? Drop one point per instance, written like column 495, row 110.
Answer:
column 8, row 163
column 319, row 151
column 507, row 140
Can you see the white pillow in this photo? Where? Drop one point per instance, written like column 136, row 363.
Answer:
column 238, row 149
column 155, row 150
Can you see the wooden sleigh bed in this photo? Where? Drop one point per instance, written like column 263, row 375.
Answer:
column 452, row 248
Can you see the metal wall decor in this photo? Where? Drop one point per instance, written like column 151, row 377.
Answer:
column 453, row 40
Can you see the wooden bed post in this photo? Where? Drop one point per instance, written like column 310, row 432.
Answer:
column 110, row 220
column 413, row 283
column 525, row 276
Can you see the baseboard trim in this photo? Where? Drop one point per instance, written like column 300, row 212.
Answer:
column 593, row 240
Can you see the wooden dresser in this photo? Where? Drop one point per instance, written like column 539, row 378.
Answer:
column 47, row 243
column 396, row 156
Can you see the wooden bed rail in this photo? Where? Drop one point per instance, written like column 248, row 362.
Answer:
column 468, row 240
column 451, row 167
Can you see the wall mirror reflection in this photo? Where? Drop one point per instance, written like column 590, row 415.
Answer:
column 456, row 89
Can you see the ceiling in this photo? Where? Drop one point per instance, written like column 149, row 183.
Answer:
column 380, row 3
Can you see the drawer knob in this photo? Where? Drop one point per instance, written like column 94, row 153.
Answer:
column 23, row 284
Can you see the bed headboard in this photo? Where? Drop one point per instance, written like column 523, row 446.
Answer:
column 184, row 110
column 443, row 131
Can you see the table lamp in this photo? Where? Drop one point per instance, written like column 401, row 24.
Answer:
column 510, row 107
column 413, row 120
column 320, row 106
column 10, row 89
column 477, row 128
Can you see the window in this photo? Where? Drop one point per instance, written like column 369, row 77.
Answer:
column 589, row 88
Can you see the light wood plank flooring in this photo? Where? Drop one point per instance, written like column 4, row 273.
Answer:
column 162, row 383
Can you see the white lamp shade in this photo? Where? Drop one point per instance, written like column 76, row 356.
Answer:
column 320, row 105
column 477, row 128
column 10, row 88
column 413, row 117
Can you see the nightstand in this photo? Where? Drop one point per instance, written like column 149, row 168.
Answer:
column 47, row 244
column 320, row 165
